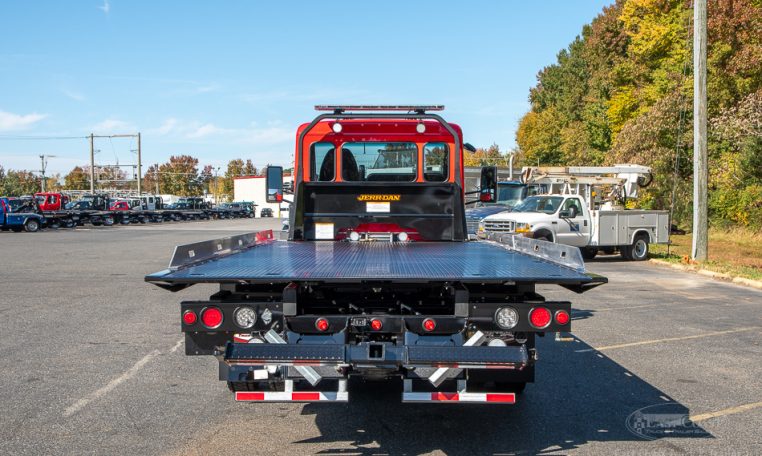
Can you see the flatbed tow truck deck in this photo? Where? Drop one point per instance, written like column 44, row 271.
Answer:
column 282, row 261
column 377, row 279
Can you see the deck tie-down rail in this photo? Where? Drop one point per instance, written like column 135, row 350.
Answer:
column 560, row 254
column 198, row 252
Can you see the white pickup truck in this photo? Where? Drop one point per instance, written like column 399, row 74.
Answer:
column 566, row 219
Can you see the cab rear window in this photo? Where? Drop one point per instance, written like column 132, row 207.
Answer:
column 435, row 162
column 379, row 161
column 322, row 162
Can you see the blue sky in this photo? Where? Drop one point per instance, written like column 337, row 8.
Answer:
column 222, row 80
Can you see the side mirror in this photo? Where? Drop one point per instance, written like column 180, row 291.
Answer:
column 274, row 184
column 488, row 185
column 469, row 147
column 566, row 213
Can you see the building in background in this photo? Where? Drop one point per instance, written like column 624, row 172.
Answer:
column 252, row 189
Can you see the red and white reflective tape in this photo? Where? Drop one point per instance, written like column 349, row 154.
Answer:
column 495, row 398
column 291, row 396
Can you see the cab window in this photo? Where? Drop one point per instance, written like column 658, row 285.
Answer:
column 436, row 158
column 322, row 162
column 572, row 202
column 379, row 161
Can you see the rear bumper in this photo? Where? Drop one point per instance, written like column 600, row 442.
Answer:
column 381, row 355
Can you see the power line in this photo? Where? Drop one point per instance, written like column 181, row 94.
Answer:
column 42, row 138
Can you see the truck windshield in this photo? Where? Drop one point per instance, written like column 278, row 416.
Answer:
column 509, row 194
column 546, row 204
column 380, row 162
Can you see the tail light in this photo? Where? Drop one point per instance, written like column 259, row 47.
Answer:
column 376, row 324
column 321, row 324
column 562, row 317
column 539, row 317
column 189, row 317
column 211, row 317
column 429, row 324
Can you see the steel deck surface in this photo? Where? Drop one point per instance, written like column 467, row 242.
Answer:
column 279, row 261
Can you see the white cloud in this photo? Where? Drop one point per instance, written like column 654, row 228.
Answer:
column 112, row 126
column 208, row 130
column 10, row 121
column 76, row 96
column 106, row 7
column 269, row 134
column 166, row 128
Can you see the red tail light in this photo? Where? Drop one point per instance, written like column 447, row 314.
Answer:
column 562, row 317
column 376, row 324
column 321, row 324
column 211, row 317
column 429, row 324
column 539, row 317
column 189, row 317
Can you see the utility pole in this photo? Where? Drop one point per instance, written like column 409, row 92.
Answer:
column 699, row 248
column 140, row 174
column 43, row 180
column 92, row 164
column 216, row 184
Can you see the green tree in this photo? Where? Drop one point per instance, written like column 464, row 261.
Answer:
column 484, row 157
column 235, row 169
column 621, row 92
column 19, row 183
column 249, row 169
column 179, row 176
column 77, row 179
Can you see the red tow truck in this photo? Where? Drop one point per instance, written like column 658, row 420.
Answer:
column 378, row 278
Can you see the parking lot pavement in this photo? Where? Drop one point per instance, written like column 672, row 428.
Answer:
column 92, row 362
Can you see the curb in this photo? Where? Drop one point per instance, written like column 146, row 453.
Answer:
column 707, row 273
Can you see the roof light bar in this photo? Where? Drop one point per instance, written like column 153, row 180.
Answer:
column 338, row 109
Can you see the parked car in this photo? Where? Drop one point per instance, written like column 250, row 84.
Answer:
column 266, row 212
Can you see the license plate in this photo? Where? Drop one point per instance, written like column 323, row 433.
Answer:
column 359, row 321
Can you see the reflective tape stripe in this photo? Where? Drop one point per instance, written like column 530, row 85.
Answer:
column 295, row 396
column 504, row 398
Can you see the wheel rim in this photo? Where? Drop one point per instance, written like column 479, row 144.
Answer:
column 640, row 248
column 32, row 225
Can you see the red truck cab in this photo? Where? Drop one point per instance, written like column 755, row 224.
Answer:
column 52, row 201
column 120, row 206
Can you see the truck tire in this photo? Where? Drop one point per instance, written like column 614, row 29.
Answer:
column 31, row 226
column 544, row 235
column 108, row 221
column 70, row 224
column 638, row 251
column 588, row 253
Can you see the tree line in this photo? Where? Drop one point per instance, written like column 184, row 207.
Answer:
column 622, row 92
column 180, row 175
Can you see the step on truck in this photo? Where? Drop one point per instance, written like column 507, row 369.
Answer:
column 377, row 278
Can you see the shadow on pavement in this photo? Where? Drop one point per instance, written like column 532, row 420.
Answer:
column 580, row 396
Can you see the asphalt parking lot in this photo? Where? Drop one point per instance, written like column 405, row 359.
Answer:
column 92, row 363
